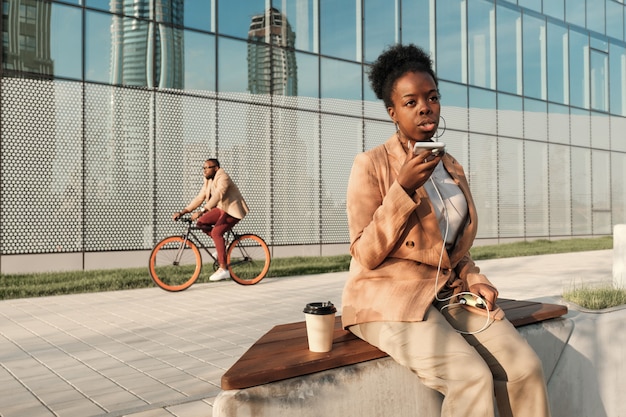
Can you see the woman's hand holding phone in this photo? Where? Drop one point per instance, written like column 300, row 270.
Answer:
column 417, row 168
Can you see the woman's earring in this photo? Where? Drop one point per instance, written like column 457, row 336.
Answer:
column 397, row 128
column 442, row 131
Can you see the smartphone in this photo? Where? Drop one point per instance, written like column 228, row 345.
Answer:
column 435, row 147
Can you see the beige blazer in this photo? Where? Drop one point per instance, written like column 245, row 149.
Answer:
column 395, row 242
column 223, row 193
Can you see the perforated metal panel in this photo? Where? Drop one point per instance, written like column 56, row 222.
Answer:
column 295, row 177
column 243, row 148
column 41, row 195
column 341, row 140
column 118, row 144
column 185, row 138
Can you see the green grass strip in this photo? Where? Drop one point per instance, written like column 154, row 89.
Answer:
column 57, row 283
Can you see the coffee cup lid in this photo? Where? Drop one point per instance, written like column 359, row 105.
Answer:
column 321, row 308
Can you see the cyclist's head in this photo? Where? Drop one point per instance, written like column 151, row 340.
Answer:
column 210, row 167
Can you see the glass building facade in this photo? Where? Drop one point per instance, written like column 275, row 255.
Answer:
column 109, row 108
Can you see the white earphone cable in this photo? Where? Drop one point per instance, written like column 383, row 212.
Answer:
column 444, row 211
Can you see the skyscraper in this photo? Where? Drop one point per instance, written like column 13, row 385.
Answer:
column 147, row 52
column 271, row 70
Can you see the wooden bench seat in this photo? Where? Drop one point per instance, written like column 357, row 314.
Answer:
column 283, row 352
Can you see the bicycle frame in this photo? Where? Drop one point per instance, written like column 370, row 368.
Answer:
column 229, row 237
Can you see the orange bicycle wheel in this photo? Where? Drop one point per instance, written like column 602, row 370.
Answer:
column 248, row 259
column 175, row 263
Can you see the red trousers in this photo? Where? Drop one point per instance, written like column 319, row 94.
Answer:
column 215, row 223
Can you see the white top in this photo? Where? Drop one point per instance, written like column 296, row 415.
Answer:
column 449, row 202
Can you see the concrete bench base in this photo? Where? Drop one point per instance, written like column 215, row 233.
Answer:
column 374, row 388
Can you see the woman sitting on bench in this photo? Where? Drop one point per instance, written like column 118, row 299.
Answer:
column 414, row 291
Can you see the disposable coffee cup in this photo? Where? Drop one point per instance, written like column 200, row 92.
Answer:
column 320, row 325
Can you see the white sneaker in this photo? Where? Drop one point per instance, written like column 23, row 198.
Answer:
column 219, row 275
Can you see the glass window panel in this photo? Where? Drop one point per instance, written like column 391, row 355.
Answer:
column 600, row 128
column 368, row 93
column 511, row 188
column 554, row 8
column 601, row 44
column 615, row 20
column 453, row 94
column 557, row 56
column 340, row 80
column 596, row 16
column 534, row 41
column 559, row 183
column 482, row 109
column 169, row 57
column 199, row 61
column 302, row 17
column 98, row 47
column 575, row 12
column 482, row 176
column 42, row 38
column 380, row 29
column 579, row 65
column 235, row 18
column 482, row 59
column 510, row 115
column 454, row 102
column 535, row 119
column 618, row 187
column 509, row 50
column 338, row 29
column 451, row 49
column 536, row 189
column 531, row 4
column 617, row 68
column 601, row 197
column 618, row 127
column 199, row 14
column 599, row 63
column 142, row 10
column 581, row 193
column 65, row 41
column 581, row 127
column 232, row 72
column 169, row 11
column 308, row 75
column 417, row 28
column 558, row 123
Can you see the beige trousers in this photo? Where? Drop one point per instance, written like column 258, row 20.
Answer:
column 466, row 369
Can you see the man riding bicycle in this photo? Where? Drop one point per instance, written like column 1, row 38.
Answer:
column 223, row 208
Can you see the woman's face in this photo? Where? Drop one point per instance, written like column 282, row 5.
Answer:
column 416, row 106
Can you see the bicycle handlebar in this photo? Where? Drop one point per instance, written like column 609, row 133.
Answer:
column 184, row 218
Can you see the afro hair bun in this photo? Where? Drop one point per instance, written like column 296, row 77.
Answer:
column 394, row 62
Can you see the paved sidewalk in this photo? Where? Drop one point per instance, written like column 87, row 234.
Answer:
column 150, row 353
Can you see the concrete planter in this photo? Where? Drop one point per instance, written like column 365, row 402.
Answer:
column 590, row 376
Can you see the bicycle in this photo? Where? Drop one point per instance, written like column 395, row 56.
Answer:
column 176, row 261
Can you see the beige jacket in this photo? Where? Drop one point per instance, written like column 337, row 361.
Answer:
column 395, row 242
column 223, row 193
